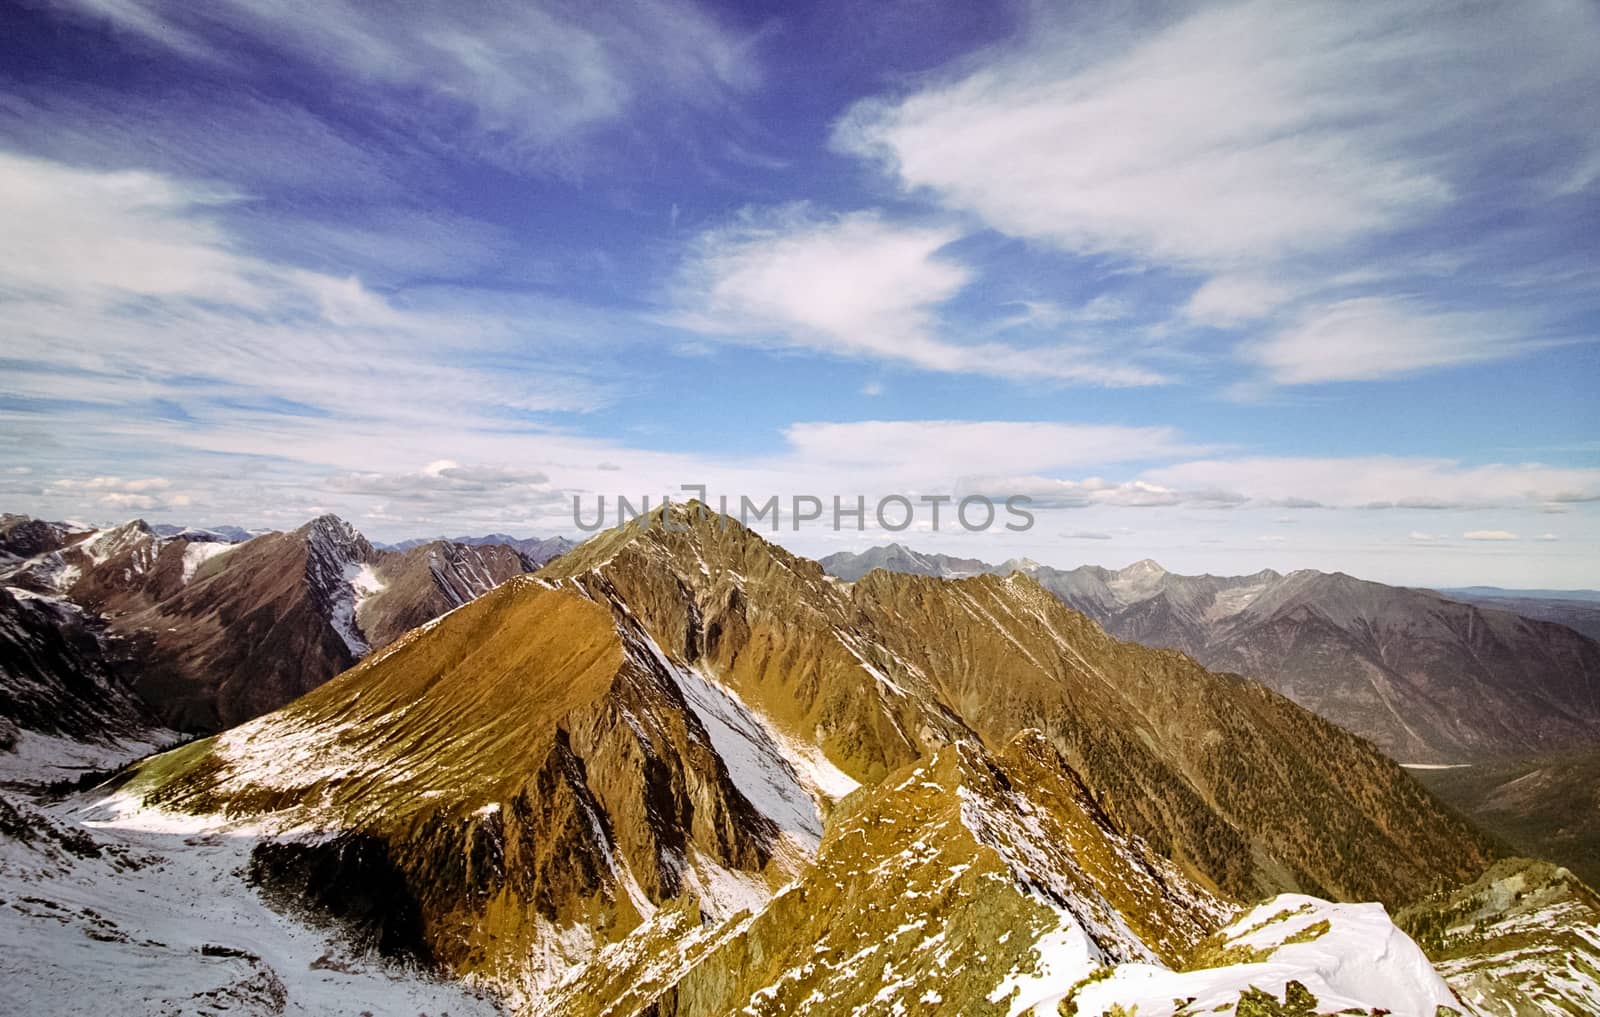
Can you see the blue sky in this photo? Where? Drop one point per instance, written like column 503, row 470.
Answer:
column 1229, row 285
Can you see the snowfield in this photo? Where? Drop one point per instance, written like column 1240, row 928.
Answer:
column 155, row 917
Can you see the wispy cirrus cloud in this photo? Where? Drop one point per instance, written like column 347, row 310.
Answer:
column 1371, row 338
column 531, row 82
column 1383, row 482
column 1236, row 132
column 1207, row 141
column 1271, row 150
column 131, row 310
column 957, row 447
column 859, row 285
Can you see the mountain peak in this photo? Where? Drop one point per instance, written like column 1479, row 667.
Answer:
column 691, row 534
column 329, row 524
column 1143, row 567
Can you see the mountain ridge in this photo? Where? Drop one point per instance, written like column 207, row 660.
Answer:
column 211, row 631
column 681, row 770
column 1430, row 679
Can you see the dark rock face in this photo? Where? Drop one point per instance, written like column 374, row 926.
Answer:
column 61, row 673
column 351, row 881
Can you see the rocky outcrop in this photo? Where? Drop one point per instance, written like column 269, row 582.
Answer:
column 61, row 673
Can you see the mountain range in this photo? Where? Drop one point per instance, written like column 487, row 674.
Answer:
column 1578, row 610
column 208, row 631
column 537, row 550
column 1427, row 678
column 680, row 770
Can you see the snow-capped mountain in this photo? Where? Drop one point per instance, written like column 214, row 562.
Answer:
column 686, row 772
column 207, row 631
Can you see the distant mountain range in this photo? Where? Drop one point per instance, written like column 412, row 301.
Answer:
column 537, row 550
column 1576, row 609
column 1429, row 678
column 210, row 631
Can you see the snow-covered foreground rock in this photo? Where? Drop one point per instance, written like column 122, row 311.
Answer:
column 1346, row 956
column 111, row 909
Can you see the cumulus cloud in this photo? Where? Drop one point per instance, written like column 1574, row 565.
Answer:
column 1489, row 535
column 119, row 495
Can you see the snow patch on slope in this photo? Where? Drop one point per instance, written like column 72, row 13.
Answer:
column 755, row 760
column 1065, row 956
column 42, row 758
column 199, row 552
column 1347, row 955
column 360, row 583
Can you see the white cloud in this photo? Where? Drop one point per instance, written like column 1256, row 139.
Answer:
column 134, row 319
column 1227, row 300
column 1086, row 535
column 858, row 285
column 84, row 234
column 1424, row 538
column 1489, row 535
column 115, row 494
column 531, row 81
column 872, row 388
column 1380, row 482
column 119, row 288
column 1210, row 141
column 958, row 447
column 114, row 484
column 1547, row 537
column 1373, row 337
column 1238, row 132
